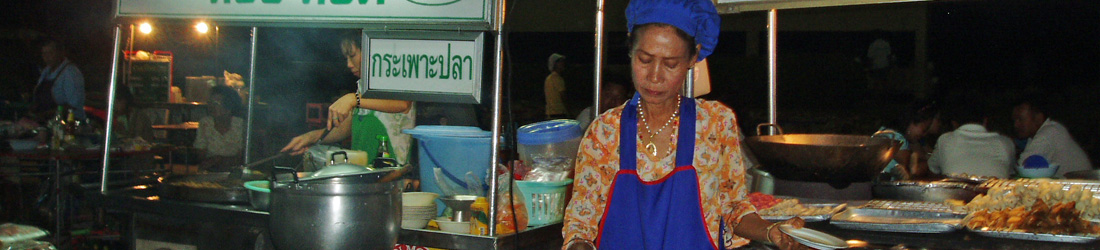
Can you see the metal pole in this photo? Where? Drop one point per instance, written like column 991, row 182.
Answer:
column 129, row 63
column 57, row 207
column 113, row 87
column 498, row 80
column 599, row 60
column 251, row 96
column 773, row 30
column 689, row 85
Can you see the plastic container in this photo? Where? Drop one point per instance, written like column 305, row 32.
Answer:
column 259, row 194
column 456, row 150
column 1037, row 172
column 545, row 201
column 549, row 144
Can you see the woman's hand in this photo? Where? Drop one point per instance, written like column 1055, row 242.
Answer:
column 340, row 109
column 301, row 143
column 782, row 240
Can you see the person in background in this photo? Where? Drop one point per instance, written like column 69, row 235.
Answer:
column 220, row 137
column 911, row 159
column 881, row 58
column 665, row 171
column 1046, row 137
column 362, row 119
column 132, row 126
column 60, row 83
column 554, row 87
column 972, row 149
column 612, row 95
column 130, row 122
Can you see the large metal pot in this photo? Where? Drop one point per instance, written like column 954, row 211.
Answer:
column 357, row 210
column 821, row 157
column 931, row 191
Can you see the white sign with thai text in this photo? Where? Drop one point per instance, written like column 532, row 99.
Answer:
column 425, row 65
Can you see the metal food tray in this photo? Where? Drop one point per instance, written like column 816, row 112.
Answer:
column 909, row 209
column 902, row 222
column 809, row 218
column 1093, row 186
column 1036, row 236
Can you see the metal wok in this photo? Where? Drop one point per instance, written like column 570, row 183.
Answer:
column 1084, row 175
column 835, row 159
column 215, row 187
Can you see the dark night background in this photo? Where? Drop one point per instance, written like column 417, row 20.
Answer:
column 999, row 48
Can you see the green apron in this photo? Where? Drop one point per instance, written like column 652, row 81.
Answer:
column 365, row 129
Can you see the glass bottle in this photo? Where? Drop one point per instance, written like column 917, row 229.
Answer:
column 384, row 158
column 57, row 129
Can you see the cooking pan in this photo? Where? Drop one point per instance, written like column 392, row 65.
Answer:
column 214, row 187
column 1084, row 175
column 835, row 159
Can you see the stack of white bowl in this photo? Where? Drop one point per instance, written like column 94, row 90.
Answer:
column 417, row 209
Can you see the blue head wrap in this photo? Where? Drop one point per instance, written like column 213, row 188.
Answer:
column 697, row 18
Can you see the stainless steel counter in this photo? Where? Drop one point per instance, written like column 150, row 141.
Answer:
column 145, row 201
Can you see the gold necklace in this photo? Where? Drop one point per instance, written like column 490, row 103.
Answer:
column 652, row 148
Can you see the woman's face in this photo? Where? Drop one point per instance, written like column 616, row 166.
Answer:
column 659, row 64
column 354, row 56
column 217, row 104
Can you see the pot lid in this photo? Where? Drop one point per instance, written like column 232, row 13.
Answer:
column 548, row 132
column 349, row 172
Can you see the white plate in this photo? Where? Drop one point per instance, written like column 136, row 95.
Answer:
column 813, row 238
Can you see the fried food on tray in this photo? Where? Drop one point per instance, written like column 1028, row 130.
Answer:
column 1027, row 193
column 1060, row 218
column 791, row 207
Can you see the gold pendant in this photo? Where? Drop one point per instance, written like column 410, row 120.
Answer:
column 651, row 148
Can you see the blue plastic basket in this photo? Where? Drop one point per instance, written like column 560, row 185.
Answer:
column 545, row 201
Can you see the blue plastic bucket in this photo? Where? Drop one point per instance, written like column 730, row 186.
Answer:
column 456, row 150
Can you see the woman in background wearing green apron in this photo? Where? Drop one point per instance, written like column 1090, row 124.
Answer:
column 369, row 118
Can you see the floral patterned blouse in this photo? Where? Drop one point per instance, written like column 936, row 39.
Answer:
column 718, row 162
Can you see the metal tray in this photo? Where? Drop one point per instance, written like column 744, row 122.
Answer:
column 1036, row 236
column 859, row 219
column 910, row 209
column 809, row 218
column 1090, row 185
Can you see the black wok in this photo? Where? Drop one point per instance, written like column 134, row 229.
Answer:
column 835, row 159
column 214, row 187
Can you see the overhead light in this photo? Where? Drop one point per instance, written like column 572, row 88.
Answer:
column 145, row 28
column 202, row 28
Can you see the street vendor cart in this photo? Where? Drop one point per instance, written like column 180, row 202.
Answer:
column 392, row 31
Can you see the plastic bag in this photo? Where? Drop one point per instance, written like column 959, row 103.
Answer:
column 508, row 220
column 549, row 168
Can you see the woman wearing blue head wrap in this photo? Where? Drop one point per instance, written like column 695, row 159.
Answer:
column 664, row 171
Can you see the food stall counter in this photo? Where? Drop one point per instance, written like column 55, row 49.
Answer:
column 144, row 201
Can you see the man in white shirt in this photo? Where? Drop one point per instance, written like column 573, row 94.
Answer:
column 1047, row 138
column 973, row 150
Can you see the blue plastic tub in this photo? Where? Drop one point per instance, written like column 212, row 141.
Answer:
column 456, row 150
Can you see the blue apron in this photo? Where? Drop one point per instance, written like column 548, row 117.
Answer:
column 661, row 214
